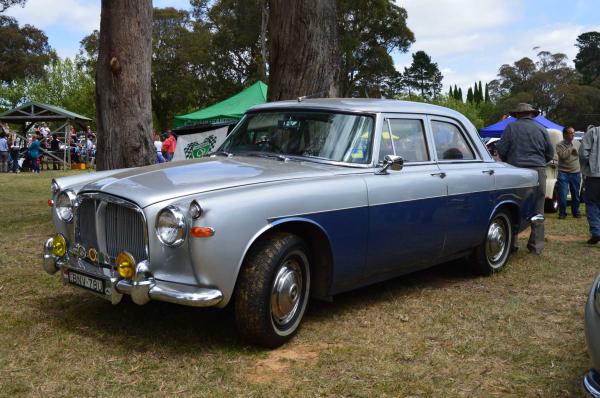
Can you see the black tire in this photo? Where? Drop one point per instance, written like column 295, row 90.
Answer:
column 551, row 205
column 493, row 253
column 273, row 290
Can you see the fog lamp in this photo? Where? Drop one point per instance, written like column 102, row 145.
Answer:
column 125, row 265
column 58, row 247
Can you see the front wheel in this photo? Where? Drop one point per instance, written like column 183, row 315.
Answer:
column 273, row 290
column 493, row 253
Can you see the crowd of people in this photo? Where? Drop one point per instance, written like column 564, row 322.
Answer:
column 42, row 148
column 165, row 150
column 526, row 144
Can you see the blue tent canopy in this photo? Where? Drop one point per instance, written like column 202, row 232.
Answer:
column 496, row 129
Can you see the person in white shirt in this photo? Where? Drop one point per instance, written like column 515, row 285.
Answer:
column 158, row 145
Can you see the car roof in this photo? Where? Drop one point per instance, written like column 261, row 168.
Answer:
column 360, row 105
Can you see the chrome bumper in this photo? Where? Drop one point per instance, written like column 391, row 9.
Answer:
column 142, row 287
column 591, row 383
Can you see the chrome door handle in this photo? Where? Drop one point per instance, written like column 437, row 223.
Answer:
column 490, row 171
column 440, row 174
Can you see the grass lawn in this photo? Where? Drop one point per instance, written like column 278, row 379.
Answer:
column 442, row 332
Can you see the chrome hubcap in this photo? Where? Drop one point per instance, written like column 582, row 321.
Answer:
column 286, row 293
column 496, row 242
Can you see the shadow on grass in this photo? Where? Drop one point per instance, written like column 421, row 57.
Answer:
column 437, row 277
column 181, row 329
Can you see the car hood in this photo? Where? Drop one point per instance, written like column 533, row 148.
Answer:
column 152, row 184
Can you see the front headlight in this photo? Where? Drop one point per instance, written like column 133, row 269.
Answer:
column 171, row 226
column 64, row 205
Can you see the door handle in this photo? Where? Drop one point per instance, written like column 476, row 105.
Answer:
column 490, row 171
column 440, row 174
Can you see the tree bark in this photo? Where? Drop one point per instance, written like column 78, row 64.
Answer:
column 123, row 73
column 303, row 49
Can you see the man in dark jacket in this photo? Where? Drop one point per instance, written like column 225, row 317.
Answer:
column 525, row 143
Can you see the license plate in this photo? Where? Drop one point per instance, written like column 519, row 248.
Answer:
column 86, row 282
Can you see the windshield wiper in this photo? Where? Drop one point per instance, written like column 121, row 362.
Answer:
column 278, row 156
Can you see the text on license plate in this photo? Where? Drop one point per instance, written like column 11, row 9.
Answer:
column 87, row 282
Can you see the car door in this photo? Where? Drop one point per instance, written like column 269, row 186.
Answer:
column 470, row 183
column 407, row 207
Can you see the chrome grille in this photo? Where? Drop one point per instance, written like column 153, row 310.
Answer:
column 124, row 231
column 111, row 225
column 86, row 223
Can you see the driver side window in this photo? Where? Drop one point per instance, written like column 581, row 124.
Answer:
column 404, row 137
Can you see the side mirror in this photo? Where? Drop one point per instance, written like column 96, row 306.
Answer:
column 391, row 161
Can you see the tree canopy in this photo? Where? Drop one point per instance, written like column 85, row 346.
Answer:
column 24, row 51
column 423, row 76
column 587, row 61
column 369, row 31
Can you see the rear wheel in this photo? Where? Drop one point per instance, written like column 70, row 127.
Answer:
column 273, row 290
column 493, row 253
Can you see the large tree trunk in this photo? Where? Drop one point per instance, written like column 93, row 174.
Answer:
column 303, row 49
column 123, row 102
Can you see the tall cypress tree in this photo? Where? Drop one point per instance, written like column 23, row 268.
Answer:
column 470, row 96
column 460, row 95
column 450, row 93
column 480, row 91
column 487, row 94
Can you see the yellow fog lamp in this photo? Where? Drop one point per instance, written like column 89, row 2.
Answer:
column 58, row 245
column 125, row 265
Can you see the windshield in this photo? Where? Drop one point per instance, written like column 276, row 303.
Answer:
column 324, row 135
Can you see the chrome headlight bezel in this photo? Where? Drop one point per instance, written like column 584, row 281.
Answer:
column 54, row 187
column 171, row 226
column 64, row 205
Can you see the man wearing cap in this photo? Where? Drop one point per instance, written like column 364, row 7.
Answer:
column 589, row 156
column 525, row 143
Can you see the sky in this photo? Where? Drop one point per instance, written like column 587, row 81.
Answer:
column 468, row 39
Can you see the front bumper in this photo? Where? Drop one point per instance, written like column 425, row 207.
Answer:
column 142, row 288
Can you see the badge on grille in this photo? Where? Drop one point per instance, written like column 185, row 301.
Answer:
column 93, row 254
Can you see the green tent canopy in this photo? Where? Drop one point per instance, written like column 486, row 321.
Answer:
column 233, row 108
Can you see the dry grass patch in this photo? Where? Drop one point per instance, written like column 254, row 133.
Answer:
column 439, row 332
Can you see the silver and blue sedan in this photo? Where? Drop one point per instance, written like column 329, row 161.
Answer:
column 304, row 199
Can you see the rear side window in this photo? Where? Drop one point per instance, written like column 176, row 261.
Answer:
column 404, row 137
column 450, row 144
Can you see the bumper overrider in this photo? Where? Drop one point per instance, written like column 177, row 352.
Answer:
column 142, row 286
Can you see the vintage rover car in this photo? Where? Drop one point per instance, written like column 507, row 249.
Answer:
column 304, row 199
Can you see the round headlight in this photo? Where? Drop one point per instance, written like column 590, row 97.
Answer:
column 64, row 205
column 171, row 226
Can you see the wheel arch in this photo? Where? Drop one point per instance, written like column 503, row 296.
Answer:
column 514, row 212
column 319, row 245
